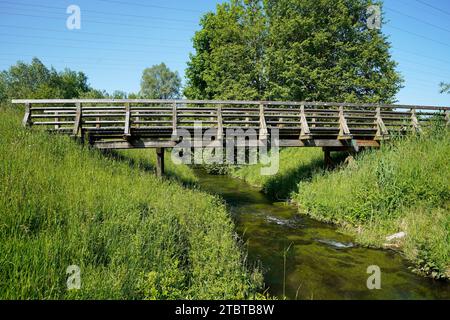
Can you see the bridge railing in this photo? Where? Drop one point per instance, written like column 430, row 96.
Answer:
column 296, row 121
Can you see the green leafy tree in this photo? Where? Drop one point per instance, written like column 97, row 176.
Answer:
column 228, row 63
column 159, row 82
column 292, row 50
column 35, row 80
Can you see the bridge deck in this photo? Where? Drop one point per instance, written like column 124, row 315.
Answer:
column 155, row 123
column 124, row 124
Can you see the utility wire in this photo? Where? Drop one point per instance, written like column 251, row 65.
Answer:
column 417, row 19
column 101, row 22
column 150, row 6
column 433, row 7
column 419, row 35
column 81, row 32
column 96, row 12
column 90, row 41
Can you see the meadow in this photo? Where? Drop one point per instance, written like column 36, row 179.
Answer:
column 403, row 187
column 132, row 235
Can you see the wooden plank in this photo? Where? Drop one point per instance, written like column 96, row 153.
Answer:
column 174, row 122
column 263, row 133
column 78, row 119
column 160, row 162
column 219, row 123
column 225, row 102
column 127, row 131
column 305, row 133
column 27, row 117
column 415, row 121
column 344, row 131
column 382, row 132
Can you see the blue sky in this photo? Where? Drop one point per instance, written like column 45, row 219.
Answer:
column 119, row 38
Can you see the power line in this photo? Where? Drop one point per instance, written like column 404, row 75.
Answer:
column 101, row 22
column 99, row 12
column 81, row 32
column 89, row 59
column 150, row 6
column 89, row 41
column 417, row 19
column 89, row 48
column 421, row 55
column 433, row 7
column 420, row 36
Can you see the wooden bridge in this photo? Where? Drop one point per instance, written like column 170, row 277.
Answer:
column 126, row 124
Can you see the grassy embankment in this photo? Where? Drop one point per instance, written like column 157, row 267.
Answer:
column 132, row 235
column 405, row 186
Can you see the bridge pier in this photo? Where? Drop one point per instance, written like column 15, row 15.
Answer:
column 327, row 158
column 160, row 162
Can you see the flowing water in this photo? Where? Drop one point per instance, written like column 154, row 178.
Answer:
column 305, row 259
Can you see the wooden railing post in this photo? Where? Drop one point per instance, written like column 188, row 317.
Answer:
column 415, row 121
column 77, row 127
column 159, row 162
column 382, row 132
column 263, row 133
column 127, row 132
column 26, row 122
column 305, row 133
column 219, row 123
column 344, row 131
column 174, row 122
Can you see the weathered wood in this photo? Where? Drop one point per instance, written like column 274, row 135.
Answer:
column 305, row 133
column 219, row 123
column 263, row 132
column 382, row 132
column 447, row 118
column 327, row 158
column 321, row 124
column 27, row 118
column 159, row 162
column 127, row 132
column 344, row 131
column 415, row 121
column 174, row 122
column 78, row 120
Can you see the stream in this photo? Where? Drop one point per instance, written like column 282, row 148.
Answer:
column 302, row 258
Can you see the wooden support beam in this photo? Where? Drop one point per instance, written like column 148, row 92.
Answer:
column 127, row 132
column 382, row 132
column 159, row 162
column 305, row 133
column 344, row 131
column 328, row 161
column 27, row 118
column 219, row 123
column 415, row 121
column 263, row 133
column 77, row 127
column 174, row 122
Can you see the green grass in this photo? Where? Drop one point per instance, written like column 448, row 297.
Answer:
column 132, row 235
column 296, row 164
column 405, row 186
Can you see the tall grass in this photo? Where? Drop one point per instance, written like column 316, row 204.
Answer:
column 296, row 164
column 405, row 186
column 132, row 235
